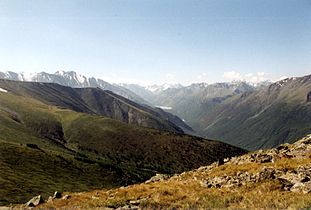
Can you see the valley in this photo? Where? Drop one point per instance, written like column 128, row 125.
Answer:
column 46, row 140
column 222, row 111
column 247, row 116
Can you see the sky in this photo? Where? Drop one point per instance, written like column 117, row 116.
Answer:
column 158, row 41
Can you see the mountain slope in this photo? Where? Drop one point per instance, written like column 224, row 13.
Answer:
column 279, row 178
column 46, row 148
column 151, row 91
column 265, row 118
column 95, row 101
column 72, row 79
column 191, row 102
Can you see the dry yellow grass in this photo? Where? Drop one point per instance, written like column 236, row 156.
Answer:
column 186, row 192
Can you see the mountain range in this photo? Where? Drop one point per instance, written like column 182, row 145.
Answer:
column 72, row 79
column 279, row 113
column 251, row 116
column 245, row 115
column 99, row 102
column 190, row 102
column 67, row 132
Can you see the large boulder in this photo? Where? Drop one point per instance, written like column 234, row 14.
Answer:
column 57, row 195
column 35, row 201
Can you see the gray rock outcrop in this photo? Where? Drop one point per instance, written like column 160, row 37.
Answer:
column 35, row 201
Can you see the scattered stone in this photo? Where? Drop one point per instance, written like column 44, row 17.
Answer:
column 50, row 199
column 226, row 160
column 137, row 202
column 301, row 187
column 95, row 197
column 268, row 173
column 128, row 207
column 298, row 149
column 35, row 201
column 298, row 180
column 57, row 195
column 66, row 197
column 158, row 177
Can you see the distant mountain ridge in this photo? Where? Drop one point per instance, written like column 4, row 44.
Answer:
column 191, row 102
column 72, row 79
column 279, row 113
column 243, row 114
column 251, row 116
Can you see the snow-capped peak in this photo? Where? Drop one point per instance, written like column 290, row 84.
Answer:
column 284, row 81
column 27, row 76
column 160, row 88
column 61, row 73
column 81, row 78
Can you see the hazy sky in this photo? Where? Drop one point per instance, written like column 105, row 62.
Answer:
column 158, row 41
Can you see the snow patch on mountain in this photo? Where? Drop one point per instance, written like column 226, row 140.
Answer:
column 285, row 81
column 27, row 76
column 80, row 78
column 60, row 73
column 164, row 107
column 160, row 88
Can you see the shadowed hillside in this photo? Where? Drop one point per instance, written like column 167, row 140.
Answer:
column 265, row 118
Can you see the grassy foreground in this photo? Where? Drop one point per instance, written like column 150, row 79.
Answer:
column 185, row 191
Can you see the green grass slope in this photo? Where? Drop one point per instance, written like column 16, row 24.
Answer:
column 27, row 171
column 94, row 101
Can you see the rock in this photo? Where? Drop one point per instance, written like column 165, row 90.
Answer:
column 305, row 179
column 289, row 177
column 135, row 202
column 267, row 173
column 297, row 179
column 266, row 159
column 301, row 187
column 35, row 201
column 50, row 199
column 128, row 207
column 158, row 177
column 282, row 147
column 66, row 197
column 57, row 195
